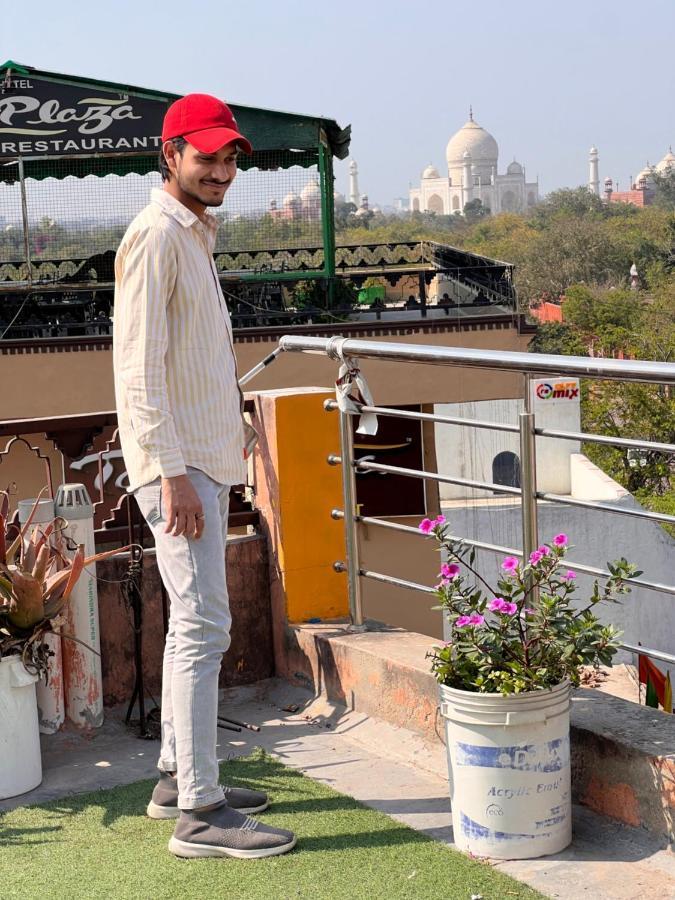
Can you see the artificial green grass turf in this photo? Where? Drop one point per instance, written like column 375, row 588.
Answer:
column 101, row 845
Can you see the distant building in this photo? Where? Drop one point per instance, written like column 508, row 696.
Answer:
column 305, row 205
column 472, row 157
column 642, row 189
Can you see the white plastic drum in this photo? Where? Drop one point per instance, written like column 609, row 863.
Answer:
column 509, row 766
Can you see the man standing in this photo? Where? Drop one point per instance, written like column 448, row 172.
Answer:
column 182, row 435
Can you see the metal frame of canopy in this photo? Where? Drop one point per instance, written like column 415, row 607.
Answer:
column 56, row 126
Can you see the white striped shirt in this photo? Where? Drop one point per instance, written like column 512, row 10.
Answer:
column 176, row 386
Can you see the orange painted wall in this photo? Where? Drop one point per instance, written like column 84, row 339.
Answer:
column 295, row 491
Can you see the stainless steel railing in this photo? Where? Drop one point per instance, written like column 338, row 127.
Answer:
column 530, row 365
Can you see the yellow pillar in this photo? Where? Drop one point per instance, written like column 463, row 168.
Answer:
column 295, row 492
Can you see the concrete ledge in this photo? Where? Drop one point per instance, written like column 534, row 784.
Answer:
column 623, row 755
column 623, row 760
column 381, row 673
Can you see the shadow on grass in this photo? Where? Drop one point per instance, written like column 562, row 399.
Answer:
column 20, row 836
column 320, row 819
column 396, row 835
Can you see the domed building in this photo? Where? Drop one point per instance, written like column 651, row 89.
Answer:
column 305, row 205
column 641, row 189
column 667, row 163
column 310, row 198
column 472, row 157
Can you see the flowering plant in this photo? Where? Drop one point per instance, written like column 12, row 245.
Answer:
column 526, row 634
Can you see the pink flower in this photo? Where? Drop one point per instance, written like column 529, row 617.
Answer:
column 444, row 582
column 529, row 611
column 510, row 564
column 560, row 540
column 450, row 570
column 499, row 604
column 425, row 526
column 474, row 619
column 570, row 575
column 535, row 557
column 439, row 520
column 544, row 550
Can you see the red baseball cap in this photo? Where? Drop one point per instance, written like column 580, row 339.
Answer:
column 205, row 122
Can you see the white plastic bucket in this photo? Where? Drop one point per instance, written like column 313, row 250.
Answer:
column 509, row 766
column 20, row 760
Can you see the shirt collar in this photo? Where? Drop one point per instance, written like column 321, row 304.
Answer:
column 181, row 213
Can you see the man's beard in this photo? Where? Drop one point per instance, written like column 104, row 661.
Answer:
column 186, row 189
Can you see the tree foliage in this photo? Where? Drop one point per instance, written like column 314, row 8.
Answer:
column 664, row 184
column 640, row 327
column 572, row 237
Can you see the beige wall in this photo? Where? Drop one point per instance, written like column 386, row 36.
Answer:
column 56, row 384
column 53, row 384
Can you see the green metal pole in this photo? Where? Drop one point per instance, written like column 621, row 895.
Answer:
column 327, row 216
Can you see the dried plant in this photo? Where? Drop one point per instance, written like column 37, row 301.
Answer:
column 37, row 577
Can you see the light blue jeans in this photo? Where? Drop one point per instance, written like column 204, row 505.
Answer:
column 193, row 573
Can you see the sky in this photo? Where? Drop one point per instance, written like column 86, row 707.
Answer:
column 547, row 79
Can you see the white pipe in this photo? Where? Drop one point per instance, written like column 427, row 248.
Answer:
column 83, row 681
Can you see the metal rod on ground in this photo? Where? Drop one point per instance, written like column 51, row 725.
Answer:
column 349, row 506
column 226, row 727
column 246, row 725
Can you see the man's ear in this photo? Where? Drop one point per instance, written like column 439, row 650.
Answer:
column 170, row 154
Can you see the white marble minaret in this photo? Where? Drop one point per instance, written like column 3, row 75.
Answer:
column 593, row 177
column 354, row 195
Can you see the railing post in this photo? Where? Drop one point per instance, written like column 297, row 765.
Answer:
column 528, row 476
column 528, row 479
column 349, row 504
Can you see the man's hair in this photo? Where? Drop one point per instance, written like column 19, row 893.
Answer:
column 180, row 144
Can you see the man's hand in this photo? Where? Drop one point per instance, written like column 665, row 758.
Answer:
column 182, row 506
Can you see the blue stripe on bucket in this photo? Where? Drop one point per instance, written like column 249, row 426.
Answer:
column 472, row 829
column 553, row 756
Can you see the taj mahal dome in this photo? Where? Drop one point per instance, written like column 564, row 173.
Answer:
column 472, row 156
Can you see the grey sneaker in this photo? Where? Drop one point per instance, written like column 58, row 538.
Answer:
column 226, row 832
column 164, row 802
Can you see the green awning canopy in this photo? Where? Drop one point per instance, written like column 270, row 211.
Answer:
column 70, row 119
